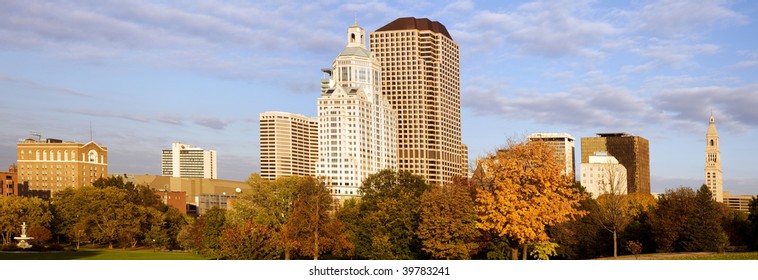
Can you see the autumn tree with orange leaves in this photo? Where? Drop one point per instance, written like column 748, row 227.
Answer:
column 521, row 190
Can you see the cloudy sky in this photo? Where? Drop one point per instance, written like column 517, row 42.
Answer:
column 146, row 74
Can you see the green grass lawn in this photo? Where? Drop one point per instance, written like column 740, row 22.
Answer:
column 104, row 254
column 693, row 256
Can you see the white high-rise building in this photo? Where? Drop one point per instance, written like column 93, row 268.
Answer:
column 713, row 178
column 356, row 124
column 185, row 161
column 563, row 147
column 603, row 174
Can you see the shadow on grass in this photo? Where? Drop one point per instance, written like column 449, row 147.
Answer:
column 114, row 254
column 57, row 255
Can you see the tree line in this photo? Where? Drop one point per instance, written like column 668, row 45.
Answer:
column 518, row 204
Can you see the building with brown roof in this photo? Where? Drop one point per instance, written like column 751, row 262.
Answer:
column 421, row 80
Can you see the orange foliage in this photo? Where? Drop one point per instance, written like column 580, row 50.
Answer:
column 522, row 191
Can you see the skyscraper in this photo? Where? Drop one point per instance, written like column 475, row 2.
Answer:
column 633, row 152
column 356, row 124
column 421, row 79
column 52, row 164
column 289, row 145
column 713, row 162
column 563, row 147
column 185, row 161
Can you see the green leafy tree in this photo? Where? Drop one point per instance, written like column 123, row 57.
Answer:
column 670, row 218
column 448, row 221
column 273, row 204
column 703, row 232
column 213, row 222
column 389, row 216
column 753, row 219
column 15, row 210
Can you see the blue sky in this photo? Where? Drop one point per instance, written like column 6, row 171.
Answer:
column 146, row 74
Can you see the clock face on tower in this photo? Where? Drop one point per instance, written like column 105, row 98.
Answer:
column 92, row 156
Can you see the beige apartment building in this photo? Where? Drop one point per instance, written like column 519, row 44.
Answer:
column 288, row 144
column 738, row 202
column 633, row 152
column 421, row 80
column 52, row 164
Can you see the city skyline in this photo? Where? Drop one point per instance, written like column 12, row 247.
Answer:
column 146, row 75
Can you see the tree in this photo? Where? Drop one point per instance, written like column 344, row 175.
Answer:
column 448, row 221
column 389, row 216
column 753, row 219
column 522, row 191
column 703, row 232
column 298, row 208
column 670, row 217
column 737, row 227
column 310, row 216
column 269, row 203
column 612, row 212
column 250, row 241
column 103, row 214
column 15, row 210
column 40, row 234
column 213, row 222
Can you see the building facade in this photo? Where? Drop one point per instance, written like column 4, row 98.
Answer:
column 357, row 126
column 195, row 190
column 713, row 162
column 563, row 147
column 288, row 145
column 185, row 161
column 738, row 202
column 603, row 174
column 633, row 152
column 421, row 79
column 52, row 164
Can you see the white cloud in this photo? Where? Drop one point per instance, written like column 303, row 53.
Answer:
column 593, row 107
column 677, row 18
column 734, row 107
column 548, row 29
column 674, row 54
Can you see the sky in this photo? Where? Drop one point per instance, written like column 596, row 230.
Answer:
column 144, row 74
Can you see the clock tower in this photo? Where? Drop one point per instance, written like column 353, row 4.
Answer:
column 713, row 177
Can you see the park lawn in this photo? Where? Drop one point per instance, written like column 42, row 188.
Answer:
column 692, row 256
column 105, row 254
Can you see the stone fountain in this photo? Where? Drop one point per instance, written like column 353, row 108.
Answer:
column 23, row 238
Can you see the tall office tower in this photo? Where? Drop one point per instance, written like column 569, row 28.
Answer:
column 421, row 79
column 52, row 164
column 289, row 145
column 633, row 152
column 356, row 125
column 185, row 161
column 603, row 174
column 563, row 147
column 713, row 162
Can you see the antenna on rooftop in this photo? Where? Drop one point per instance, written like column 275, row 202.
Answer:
column 38, row 134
